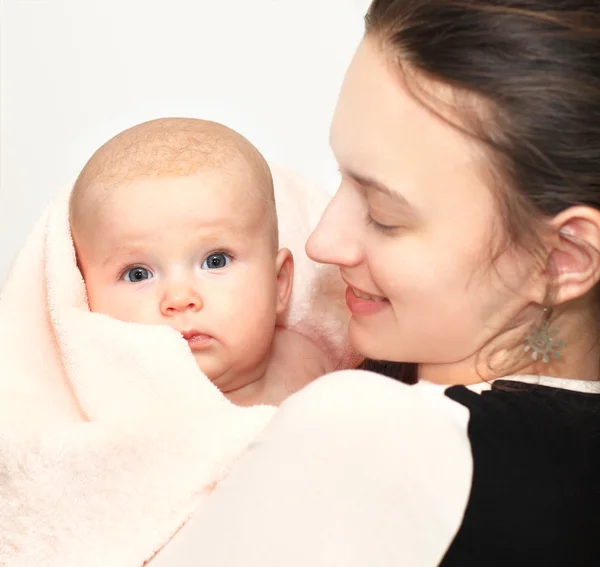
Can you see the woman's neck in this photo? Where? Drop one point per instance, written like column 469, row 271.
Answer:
column 579, row 359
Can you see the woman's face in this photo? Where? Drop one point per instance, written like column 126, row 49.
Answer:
column 412, row 227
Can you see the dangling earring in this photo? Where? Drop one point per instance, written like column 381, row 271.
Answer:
column 541, row 340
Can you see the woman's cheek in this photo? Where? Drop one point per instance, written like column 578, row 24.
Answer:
column 396, row 265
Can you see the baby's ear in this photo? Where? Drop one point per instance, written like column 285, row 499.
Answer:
column 285, row 278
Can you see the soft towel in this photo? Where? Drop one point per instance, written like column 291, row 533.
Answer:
column 110, row 436
column 318, row 308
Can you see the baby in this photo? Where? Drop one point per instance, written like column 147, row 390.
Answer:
column 174, row 223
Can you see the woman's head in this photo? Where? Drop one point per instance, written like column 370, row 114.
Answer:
column 468, row 138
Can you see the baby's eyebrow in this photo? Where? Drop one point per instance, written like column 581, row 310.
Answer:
column 204, row 235
column 120, row 252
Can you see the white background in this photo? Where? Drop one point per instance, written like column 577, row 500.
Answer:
column 73, row 73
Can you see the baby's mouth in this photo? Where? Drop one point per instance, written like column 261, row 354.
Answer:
column 196, row 340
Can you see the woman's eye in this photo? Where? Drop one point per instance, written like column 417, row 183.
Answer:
column 384, row 228
column 137, row 274
column 216, row 261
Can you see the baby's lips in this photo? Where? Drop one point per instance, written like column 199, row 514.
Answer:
column 188, row 335
column 196, row 340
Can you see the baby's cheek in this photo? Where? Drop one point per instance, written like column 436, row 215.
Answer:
column 260, row 309
column 95, row 296
column 119, row 305
column 253, row 319
column 137, row 310
column 249, row 292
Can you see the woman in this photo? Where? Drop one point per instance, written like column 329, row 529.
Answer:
column 467, row 227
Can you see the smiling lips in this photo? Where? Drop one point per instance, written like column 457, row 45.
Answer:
column 363, row 304
column 196, row 340
column 362, row 295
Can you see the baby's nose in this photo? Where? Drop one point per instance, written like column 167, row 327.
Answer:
column 177, row 299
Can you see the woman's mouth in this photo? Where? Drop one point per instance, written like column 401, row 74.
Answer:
column 365, row 296
column 361, row 303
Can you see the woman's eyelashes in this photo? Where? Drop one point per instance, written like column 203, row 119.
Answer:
column 383, row 228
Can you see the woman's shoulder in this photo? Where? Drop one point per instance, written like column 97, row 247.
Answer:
column 497, row 459
column 362, row 427
column 355, row 469
column 350, row 399
column 352, row 396
column 511, row 429
column 350, row 462
column 540, row 404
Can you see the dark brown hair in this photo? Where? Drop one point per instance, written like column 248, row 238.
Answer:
column 535, row 66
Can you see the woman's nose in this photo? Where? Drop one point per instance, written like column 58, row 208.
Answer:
column 180, row 297
column 337, row 238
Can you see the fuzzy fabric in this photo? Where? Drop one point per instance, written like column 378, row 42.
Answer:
column 110, row 435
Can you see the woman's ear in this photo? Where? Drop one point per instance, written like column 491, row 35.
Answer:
column 574, row 261
column 285, row 278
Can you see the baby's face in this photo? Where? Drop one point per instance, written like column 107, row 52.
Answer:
column 195, row 253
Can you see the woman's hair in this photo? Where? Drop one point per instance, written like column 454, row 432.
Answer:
column 533, row 67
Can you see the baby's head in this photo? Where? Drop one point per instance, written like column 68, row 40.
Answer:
column 174, row 223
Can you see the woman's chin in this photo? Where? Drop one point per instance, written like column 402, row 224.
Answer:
column 373, row 343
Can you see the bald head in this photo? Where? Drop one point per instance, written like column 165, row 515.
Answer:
column 168, row 147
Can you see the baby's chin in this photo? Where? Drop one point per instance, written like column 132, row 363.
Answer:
column 224, row 377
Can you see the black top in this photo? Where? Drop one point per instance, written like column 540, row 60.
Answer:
column 535, row 494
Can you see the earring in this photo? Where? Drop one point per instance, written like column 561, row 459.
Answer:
column 541, row 340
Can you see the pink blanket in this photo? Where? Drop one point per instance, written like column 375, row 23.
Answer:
column 110, row 436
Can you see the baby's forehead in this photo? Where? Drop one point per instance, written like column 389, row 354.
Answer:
column 236, row 186
column 207, row 201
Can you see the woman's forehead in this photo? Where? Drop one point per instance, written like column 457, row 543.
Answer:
column 381, row 129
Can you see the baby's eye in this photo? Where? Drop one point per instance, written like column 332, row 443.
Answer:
column 216, row 261
column 137, row 274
